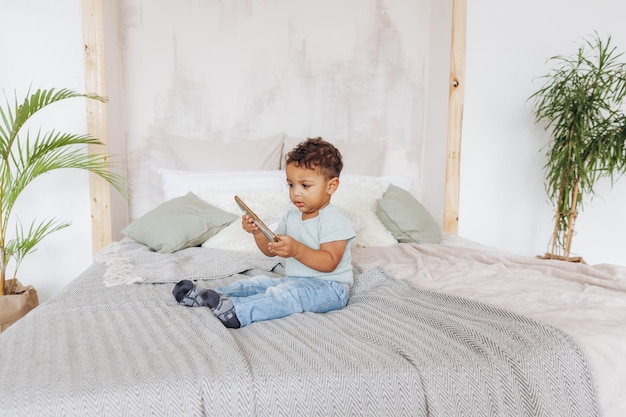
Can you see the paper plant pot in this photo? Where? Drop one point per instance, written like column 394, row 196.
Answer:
column 15, row 305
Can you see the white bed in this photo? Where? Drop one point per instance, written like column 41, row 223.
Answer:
column 436, row 325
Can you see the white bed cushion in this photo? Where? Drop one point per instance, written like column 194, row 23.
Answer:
column 363, row 158
column 358, row 195
column 213, row 155
column 384, row 181
column 268, row 203
column 177, row 183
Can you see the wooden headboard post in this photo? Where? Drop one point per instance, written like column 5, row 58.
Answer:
column 455, row 117
column 95, row 82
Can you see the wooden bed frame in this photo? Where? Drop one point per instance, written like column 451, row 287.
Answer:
column 95, row 82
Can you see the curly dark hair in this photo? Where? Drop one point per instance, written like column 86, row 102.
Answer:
column 316, row 153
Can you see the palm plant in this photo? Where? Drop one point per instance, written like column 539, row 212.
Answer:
column 581, row 106
column 23, row 158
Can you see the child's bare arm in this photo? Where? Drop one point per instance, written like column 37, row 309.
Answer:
column 324, row 259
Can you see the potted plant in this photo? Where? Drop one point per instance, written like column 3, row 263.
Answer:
column 24, row 157
column 581, row 106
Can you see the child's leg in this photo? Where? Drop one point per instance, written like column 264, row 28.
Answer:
column 218, row 300
column 188, row 294
column 263, row 298
column 294, row 295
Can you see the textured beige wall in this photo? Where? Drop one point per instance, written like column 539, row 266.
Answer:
column 351, row 70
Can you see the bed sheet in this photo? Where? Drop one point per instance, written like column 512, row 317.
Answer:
column 586, row 301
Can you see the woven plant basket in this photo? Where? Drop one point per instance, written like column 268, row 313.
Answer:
column 18, row 301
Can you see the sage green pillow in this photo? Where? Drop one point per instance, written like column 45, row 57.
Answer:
column 179, row 223
column 406, row 218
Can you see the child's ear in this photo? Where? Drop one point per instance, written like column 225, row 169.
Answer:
column 332, row 185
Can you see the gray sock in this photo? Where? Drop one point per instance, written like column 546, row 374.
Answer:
column 188, row 294
column 222, row 306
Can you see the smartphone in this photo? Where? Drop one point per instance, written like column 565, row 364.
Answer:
column 259, row 223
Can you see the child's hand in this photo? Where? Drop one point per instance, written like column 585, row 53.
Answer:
column 248, row 225
column 286, row 247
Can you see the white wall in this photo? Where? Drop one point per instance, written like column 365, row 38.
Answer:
column 350, row 70
column 502, row 201
column 42, row 44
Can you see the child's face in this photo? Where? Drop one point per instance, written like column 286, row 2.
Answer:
column 309, row 190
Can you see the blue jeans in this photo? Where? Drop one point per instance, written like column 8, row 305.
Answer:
column 264, row 298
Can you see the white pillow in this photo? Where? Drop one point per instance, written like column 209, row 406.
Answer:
column 365, row 157
column 358, row 196
column 213, row 155
column 268, row 203
column 177, row 183
column 398, row 180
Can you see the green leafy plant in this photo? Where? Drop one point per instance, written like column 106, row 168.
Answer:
column 24, row 157
column 581, row 106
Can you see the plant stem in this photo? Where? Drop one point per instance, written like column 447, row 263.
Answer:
column 572, row 218
column 557, row 221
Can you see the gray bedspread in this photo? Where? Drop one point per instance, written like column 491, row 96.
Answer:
column 395, row 350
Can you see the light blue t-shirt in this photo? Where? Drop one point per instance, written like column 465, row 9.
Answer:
column 328, row 226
